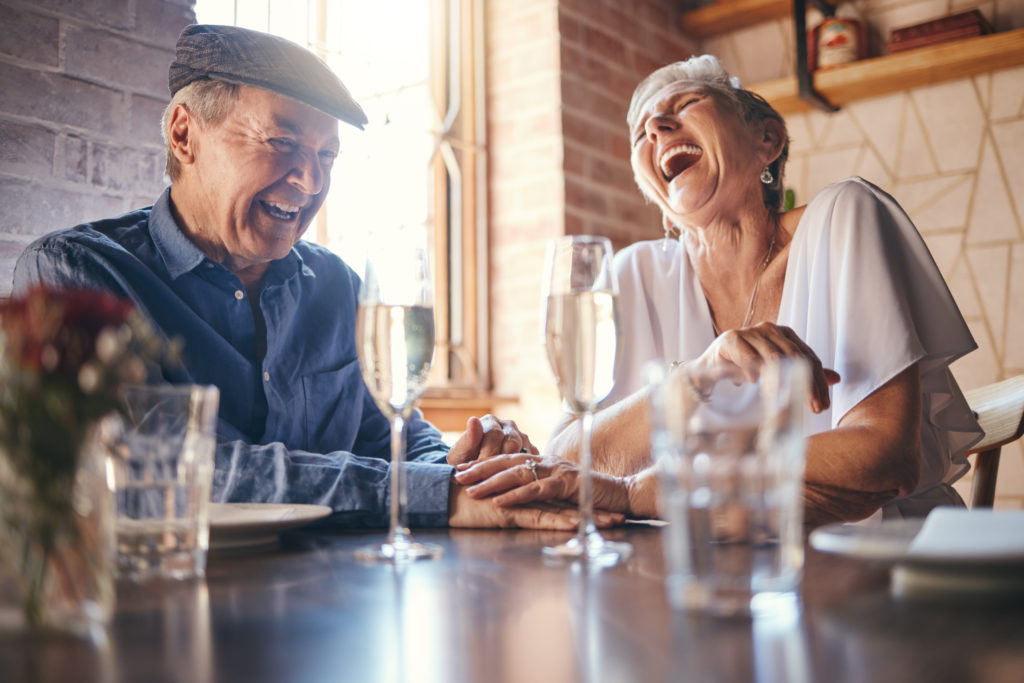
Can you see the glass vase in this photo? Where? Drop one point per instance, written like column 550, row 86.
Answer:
column 57, row 547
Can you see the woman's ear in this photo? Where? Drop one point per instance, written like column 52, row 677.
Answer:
column 773, row 139
column 181, row 135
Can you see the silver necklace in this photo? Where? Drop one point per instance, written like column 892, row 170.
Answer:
column 757, row 284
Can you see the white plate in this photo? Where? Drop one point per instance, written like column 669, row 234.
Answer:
column 890, row 540
column 243, row 525
column 993, row 571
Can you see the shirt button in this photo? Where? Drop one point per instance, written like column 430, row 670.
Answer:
column 209, row 265
column 266, row 376
column 239, row 294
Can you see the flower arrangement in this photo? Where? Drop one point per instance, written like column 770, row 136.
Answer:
column 64, row 355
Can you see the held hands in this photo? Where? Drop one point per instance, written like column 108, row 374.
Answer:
column 519, row 479
column 748, row 348
column 488, row 436
column 466, row 510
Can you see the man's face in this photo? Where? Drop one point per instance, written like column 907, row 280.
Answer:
column 259, row 178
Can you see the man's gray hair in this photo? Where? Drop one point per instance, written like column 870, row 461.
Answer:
column 709, row 76
column 209, row 101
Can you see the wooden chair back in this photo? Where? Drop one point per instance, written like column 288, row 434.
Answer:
column 999, row 408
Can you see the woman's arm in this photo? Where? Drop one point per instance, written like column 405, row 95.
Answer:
column 621, row 439
column 621, row 442
column 872, row 456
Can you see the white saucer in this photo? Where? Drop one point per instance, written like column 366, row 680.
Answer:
column 245, row 525
column 930, row 570
column 890, row 542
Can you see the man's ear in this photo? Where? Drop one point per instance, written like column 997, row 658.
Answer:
column 181, row 136
column 773, row 139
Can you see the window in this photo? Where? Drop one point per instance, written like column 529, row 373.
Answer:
column 416, row 68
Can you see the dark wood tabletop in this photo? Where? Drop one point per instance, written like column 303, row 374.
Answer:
column 491, row 610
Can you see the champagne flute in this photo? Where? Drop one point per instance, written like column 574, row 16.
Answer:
column 580, row 334
column 395, row 340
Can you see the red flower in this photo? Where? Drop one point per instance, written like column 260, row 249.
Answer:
column 56, row 330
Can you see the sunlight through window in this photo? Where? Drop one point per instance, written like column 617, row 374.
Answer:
column 380, row 181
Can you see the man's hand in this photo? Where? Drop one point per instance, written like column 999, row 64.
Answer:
column 488, row 436
column 465, row 511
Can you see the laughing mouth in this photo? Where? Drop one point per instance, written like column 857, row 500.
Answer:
column 677, row 159
column 281, row 210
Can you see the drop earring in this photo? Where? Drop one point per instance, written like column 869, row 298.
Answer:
column 766, row 176
column 669, row 229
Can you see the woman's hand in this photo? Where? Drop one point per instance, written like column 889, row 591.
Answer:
column 488, row 436
column 522, row 478
column 465, row 510
column 748, row 348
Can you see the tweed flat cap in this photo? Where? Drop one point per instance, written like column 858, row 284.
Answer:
column 246, row 57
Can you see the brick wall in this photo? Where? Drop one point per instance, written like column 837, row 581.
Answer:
column 82, row 88
column 606, row 49
column 560, row 73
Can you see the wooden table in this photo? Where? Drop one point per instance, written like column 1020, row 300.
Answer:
column 491, row 610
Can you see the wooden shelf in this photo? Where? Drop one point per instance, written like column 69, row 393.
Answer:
column 729, row 15
column 900, row 71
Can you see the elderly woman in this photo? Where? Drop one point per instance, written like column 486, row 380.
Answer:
column 845, row 281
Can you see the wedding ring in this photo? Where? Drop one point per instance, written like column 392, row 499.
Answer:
column 531, row 465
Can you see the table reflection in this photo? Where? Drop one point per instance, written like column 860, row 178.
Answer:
column 491, row 610
column 170, row 621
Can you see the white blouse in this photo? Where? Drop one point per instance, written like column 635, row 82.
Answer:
column 861, row 289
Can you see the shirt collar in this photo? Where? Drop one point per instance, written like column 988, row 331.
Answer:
column 181, row 255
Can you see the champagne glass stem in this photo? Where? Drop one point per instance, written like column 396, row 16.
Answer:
column 399, row 533
column 587, row 527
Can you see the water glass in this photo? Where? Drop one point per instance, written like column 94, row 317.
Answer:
column 730, row 449
column 162, row 460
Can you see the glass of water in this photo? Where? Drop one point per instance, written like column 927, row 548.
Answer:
column 730, row 448
column 162, row 458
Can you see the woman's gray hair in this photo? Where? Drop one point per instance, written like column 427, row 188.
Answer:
column 709, row 76
column 209, row 101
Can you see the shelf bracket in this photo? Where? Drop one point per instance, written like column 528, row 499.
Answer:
column 804, row 80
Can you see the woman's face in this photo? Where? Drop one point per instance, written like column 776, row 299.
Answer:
column 695, row 156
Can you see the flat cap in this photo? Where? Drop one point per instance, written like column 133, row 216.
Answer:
column 246, row 57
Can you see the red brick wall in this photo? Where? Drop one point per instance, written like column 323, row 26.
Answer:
column 82, row 88
column 559, row 74
column 606, row 48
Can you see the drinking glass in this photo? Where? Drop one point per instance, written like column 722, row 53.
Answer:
column 395, row 340
column 730, row 448
column 162, row 463
column 581, row 336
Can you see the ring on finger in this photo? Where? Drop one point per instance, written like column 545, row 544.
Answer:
column 531, row 465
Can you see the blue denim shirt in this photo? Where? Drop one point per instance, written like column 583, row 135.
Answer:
column 298, row 427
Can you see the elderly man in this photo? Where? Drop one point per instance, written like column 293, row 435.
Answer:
column 251, row 134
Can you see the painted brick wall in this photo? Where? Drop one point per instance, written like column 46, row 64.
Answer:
column 82, row 88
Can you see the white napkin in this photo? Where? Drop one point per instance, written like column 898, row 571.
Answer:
column 953, row 532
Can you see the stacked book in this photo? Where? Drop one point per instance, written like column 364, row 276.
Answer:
column 953, row 27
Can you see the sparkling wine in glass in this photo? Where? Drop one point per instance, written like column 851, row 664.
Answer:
column 395, row 339
column 581, row 336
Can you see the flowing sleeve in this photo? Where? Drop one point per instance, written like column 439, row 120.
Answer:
column 864, row 292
